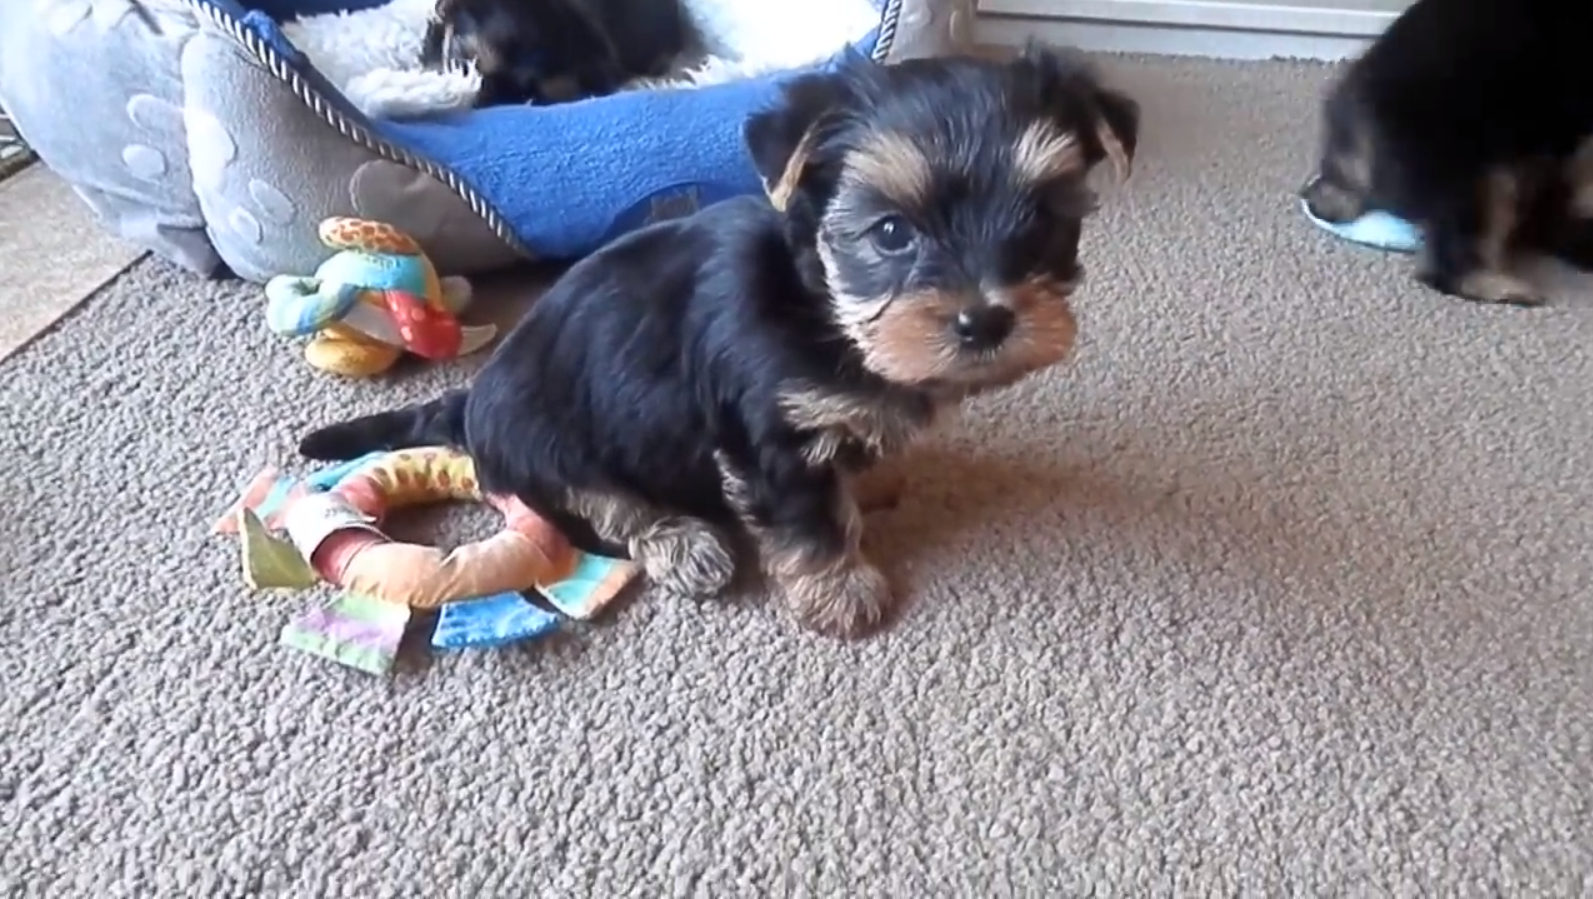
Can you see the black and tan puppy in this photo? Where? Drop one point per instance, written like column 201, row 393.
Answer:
column 737, row 368
column 556, row 51
column 1465, row 118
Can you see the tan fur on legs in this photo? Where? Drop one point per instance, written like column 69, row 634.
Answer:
column 682, row 556
column 1487, row 286
column 834, row 592
column 685, row 557
column 1491, row 281
column 845, row 597
column 1502, row 206
column 1494, row 281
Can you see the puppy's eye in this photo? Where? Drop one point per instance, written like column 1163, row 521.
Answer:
column 891, row 235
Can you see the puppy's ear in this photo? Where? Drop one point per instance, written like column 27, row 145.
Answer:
column 1117, row 129
column 783, row 138
column 1107, row 118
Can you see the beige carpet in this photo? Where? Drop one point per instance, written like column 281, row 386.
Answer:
column 1284, row 589
column 52, row 254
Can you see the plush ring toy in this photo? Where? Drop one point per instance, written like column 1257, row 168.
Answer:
column 333, row 526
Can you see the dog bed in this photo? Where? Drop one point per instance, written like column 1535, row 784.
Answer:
column 199, row 130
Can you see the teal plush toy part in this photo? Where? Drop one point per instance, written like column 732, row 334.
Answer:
column 377, row 297
column 1375, row 229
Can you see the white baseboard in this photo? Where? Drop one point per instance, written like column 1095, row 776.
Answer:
column 1185, row 27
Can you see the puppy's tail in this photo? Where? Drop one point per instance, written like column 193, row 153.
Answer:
column 440, row 422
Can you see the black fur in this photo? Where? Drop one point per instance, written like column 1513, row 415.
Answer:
column 632, row 370
column 1455, row 96
column 658, row 364
column 556, row 51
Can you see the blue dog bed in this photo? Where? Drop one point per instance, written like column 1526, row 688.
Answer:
column 197, row 130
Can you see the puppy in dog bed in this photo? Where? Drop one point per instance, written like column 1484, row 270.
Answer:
column 1460, row 133
column 742, row 366
column 554, row 51
column 410, row 59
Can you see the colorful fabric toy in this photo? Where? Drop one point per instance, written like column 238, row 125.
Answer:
column 376, row 298
column 333, row 525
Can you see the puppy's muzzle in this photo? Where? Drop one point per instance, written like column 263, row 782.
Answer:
column 1331, row 201
column 981, row 327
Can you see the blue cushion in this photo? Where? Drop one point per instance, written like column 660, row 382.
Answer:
column 568, row 176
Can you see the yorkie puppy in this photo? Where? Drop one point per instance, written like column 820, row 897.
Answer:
column 1466, row 118
column 556, row 51
column 738, row 368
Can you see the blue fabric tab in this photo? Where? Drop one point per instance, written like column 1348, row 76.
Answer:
column 490, row 622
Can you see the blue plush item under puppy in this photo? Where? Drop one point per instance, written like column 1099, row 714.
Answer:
column 1375, row 229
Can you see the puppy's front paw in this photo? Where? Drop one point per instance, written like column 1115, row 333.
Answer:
column 1484, row 286
column 845, row 602
column 687, row 558
column 1500, row 288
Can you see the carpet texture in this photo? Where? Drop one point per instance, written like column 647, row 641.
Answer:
column 52, row 253
column 1282, row 588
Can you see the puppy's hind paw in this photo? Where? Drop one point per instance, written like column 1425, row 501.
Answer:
column 687, row 558
column 845, row 603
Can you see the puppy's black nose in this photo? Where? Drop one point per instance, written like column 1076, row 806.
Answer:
column 984, row 327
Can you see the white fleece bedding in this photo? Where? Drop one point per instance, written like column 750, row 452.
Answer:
column 373, row 56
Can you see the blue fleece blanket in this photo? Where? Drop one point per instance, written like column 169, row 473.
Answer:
column 568, row 178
